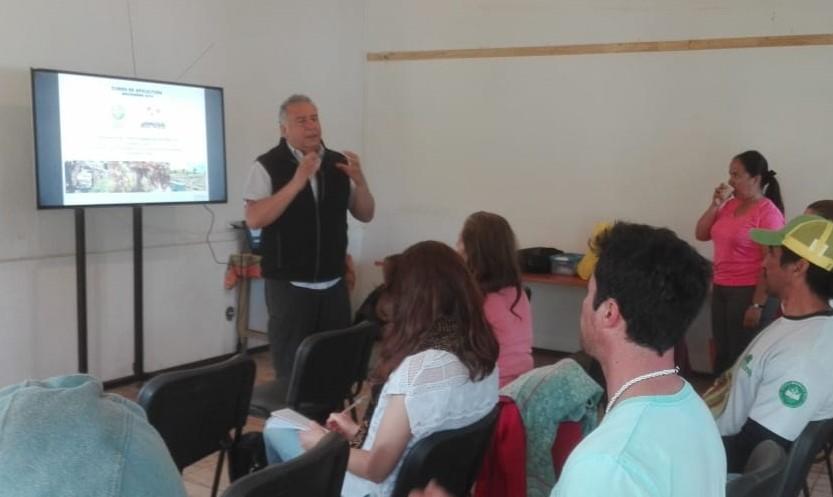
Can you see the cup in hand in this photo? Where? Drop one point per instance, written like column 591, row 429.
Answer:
column 722, row 193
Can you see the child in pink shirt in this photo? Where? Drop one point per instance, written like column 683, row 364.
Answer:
column 488, row 245
column 512, row 327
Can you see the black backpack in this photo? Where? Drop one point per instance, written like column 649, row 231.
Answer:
column 247, row 456
column 536, row 259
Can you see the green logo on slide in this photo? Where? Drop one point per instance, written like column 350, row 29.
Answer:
column 793, row 394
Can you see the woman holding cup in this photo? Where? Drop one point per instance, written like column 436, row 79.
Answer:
column 740, row 306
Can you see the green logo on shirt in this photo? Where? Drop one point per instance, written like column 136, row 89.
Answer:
column 745, row 364
column 793, row 394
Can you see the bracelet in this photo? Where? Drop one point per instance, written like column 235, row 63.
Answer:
column 358, row 439
column 757, row 306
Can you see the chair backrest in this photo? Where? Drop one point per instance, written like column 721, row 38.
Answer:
column 318, row 472
column 452, row 457
column 195, row 409
column 326, row 366
column 762, row 472
column 367, row 310
column 802, row 455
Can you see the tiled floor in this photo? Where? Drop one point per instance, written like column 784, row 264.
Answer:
column 199, row 476
column 818, row 481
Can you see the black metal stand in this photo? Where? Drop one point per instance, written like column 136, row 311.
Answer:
column 138, row 297
column 81, row 287
column 138, row 289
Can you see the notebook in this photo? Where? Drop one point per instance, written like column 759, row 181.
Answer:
column 287, row 418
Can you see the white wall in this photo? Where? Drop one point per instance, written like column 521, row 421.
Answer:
column 552, row 143
column 260, row 51
column 558, row 143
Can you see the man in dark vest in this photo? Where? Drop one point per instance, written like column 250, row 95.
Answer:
column 299, row 193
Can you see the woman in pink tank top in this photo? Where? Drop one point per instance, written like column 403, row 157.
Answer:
column 740, row 307
column 488, row 245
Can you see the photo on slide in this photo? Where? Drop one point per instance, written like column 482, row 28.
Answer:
column 131, row 177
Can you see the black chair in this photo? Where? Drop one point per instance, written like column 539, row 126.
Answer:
column 762, row 472
column 828, row 449
column 329, row 368
column 812, row 440
column 452, row 457
column 196, row 409
column 367, row 310
column 318, row 472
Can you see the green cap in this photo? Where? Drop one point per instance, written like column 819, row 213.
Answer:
column 811, row 237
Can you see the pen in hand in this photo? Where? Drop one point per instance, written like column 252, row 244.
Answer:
column 355, row 403
column 341, row 422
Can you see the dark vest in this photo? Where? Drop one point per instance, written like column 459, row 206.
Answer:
column 308, row 242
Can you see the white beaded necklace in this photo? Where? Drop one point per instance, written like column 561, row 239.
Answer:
column 634, row 381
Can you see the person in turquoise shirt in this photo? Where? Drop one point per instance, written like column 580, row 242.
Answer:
column 64, row 437
column 657, row 438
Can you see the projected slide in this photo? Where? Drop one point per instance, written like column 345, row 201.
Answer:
column 128, row 142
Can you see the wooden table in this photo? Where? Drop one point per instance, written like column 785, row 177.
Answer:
column 554, row 279
column 559, row 316
column 547, row 278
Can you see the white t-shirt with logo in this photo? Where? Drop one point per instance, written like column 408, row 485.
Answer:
column 784, row 378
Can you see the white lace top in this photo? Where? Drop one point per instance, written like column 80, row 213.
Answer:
column 438, row 396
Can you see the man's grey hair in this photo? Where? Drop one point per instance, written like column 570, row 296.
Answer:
column 293, row 99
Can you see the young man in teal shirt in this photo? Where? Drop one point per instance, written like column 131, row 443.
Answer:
column 657, row 438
